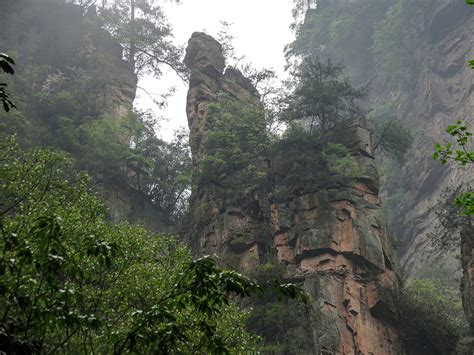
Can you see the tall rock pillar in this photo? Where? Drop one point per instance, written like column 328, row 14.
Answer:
column 217, row 224
column 331, row 240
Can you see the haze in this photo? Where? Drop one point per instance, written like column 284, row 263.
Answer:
column 260, row 38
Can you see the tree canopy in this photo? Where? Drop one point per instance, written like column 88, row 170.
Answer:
column 321, row 97
column 71, row 281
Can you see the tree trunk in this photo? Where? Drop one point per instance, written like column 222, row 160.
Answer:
column 132, row 49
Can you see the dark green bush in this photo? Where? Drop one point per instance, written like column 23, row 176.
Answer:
column 430, row 317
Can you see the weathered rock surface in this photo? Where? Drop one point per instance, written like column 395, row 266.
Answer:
column 82, row 46
column 333, row 241
column 335, row 238
column 217, row 227
column 442, row 92
column 437, row 92
column 467, row 262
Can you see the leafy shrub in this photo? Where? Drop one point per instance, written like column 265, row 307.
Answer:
column 71, row 282
column 283, row 326
column 236, row 149
column 300, row 159
column 430, row 317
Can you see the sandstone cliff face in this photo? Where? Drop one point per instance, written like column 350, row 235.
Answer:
column 442, row 92
column 220, row 226
column 437, row 92
column 333, row 241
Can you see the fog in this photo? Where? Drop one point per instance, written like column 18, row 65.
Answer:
column 327, row 210
column 260, row 38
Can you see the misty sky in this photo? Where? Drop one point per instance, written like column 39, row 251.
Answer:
column 261, row 30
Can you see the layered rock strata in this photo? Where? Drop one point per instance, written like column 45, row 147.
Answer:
column 219, row 225
column 332, row 241
column 437, row 92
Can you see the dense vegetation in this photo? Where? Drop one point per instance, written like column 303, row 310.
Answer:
column 65, row 97
column 71, row 281
column 430, row 317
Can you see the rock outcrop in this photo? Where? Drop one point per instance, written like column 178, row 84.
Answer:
column 73, row 46
column 334, row 240
column 217, row 227
column 331, row 240
column 442, row 92
column 432, row 89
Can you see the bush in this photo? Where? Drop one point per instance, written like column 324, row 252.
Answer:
column 430, row 317
column 300, row 159
column 71, row 282
column 283, row 326
column 236, row 150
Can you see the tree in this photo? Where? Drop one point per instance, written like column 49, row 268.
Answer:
column 391, row 138
column 141, row 27
column 6, row 66
column 461, row 155
column 429, row 317
column 301, row 160
column 72, row 282
column 160, row 169
column 321, row 98
column 236, row 150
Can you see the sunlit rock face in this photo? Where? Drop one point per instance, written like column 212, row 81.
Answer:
column 332, row 241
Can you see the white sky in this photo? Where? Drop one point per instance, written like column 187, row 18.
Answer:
column 260, row 29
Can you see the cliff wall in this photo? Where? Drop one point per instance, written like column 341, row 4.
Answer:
column 442, row 92
column 332, row 240
column 413, row 55
column 70, row 78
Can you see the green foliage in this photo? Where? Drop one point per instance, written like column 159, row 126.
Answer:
column 321, row 98
column 398, row 38
column 462, row 155
column 236, row 150
column 66, row 101
column 444, row 153
column 159, row 169
column 141, row 26
column 71, row 282
column 302, row 159
column 283, row 326
column 391, row 138
column 429, row 317
column 6, row 66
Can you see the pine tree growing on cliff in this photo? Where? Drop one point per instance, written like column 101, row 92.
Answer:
column 321, row 97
